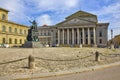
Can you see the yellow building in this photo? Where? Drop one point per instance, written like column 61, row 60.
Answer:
column 11, row 33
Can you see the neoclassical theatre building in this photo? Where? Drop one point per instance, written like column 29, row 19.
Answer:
column 79, row 28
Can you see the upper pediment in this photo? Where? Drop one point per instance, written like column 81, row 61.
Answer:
column 81, row 14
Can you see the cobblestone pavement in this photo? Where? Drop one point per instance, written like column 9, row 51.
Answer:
column 14, row 60
column 112, row 73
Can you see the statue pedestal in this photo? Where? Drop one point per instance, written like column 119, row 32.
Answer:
column 32, row 44
column 112, row 46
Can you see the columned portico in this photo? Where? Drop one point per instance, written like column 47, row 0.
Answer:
column 66, row 36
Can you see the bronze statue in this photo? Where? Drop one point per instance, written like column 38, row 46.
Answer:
column 33, row 32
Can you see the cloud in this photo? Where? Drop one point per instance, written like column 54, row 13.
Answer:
column 44, row 19
column 110, row 13
column 17, row 10
column 55, row 5
column 23, row 10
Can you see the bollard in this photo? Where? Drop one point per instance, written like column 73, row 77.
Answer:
column 31, row 62
column 97, row 56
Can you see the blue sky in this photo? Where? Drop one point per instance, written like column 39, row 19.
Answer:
column 51, row 12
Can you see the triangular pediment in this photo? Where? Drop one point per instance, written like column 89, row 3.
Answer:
column 76, row 21
column 80, row 14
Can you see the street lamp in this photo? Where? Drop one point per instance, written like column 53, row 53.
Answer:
column 112, row 42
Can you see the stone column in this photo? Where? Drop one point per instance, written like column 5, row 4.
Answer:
column 83, row 36
column 58, row 36
column 78, row 36
column 72, row 35
column 63, row 36
column 88, row 36
column 94, row 35
column 67, row 36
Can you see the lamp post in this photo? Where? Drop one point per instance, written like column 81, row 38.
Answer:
column 111, row 36
column 112, row 42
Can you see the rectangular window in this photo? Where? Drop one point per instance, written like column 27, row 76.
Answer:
column 10, row 30
column 100, row 34
column 3, row 16
column 92, row 42
column 3, row 28
column 15, row 41
column 10, row 41
column 24, row 31
column 15, row 30
column 100, row 41
column 86, row 33
column 20, row 31
column 3, row 40
column 20, row 41
column 81, row 34
column 91, row 34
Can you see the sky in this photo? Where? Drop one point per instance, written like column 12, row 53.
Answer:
column 51, row 12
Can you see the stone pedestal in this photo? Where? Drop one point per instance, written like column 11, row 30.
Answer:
column 32, row 44
column 112, row 46
column 95, row 45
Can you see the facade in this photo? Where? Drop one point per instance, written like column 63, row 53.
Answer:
column 78, row 28
column 11, row 33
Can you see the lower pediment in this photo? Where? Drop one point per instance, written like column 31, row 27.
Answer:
column 75, row 21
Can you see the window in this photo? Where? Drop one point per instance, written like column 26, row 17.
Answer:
column 20, row 41
column 92, row 42
column 100, row 41
column 10, row 41
column 86, row 33
column 24, row 31
column 48, row 33
column 81, row 34
column 3, row 16
column 91, row 34
column 44, row 34
column 81, row 40
column 3, row 29
column 3, row 40
column 86, row 41
column 20, row 31
column 100, row 34
column 15, row 41
column 15, row 30
column 10, row 30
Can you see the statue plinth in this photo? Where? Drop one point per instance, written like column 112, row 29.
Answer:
column 32, row 44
